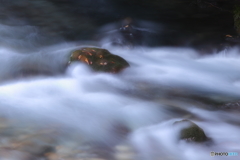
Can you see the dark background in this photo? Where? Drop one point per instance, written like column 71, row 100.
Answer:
column 202, row 24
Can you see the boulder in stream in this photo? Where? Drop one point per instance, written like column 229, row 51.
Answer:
column 190, row 132
column 99, row 59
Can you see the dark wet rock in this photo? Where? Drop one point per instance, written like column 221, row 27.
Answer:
column 190, row 132
column 130, row 32
column 99, row 59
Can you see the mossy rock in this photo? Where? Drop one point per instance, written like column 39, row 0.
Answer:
column 99, row 59
column 191, row 132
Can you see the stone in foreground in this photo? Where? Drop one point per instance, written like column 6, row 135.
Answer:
column 99, row 59
column 191, row 132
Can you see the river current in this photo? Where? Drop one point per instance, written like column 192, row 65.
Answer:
column 161, row 86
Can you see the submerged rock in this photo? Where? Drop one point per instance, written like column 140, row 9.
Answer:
column 99, row 59
column 191, row 132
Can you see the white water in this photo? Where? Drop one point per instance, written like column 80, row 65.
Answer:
column 91, row 104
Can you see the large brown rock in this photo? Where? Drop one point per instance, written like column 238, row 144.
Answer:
column 99, row 59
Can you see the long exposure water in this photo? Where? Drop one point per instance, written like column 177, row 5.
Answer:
column 161, row 86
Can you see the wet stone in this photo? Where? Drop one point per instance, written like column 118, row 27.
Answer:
column 99, row 60
column 190, row 132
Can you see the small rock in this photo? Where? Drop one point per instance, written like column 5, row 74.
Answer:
column 99, row 59
column 191, row 132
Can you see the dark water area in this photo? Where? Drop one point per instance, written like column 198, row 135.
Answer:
column 182, row 69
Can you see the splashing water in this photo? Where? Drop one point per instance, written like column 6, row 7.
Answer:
column 163, row 85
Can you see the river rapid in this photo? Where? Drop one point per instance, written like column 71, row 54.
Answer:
column 136, row 107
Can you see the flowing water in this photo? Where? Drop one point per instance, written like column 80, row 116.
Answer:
column 137, row 106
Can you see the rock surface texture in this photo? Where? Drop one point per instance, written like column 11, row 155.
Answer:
column 99, row 59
